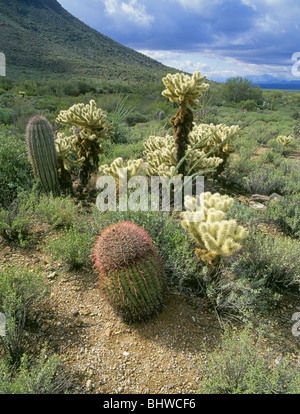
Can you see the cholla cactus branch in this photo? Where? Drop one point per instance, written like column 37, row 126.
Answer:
column 284, row 140
column 133, row 167
column 89, row 125
column 207, row 224
column 186, row 91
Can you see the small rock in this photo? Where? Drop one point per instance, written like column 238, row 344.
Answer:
column 126, row 353
column 108, row 333
column 275, row 196
column 89, row 385
column 257, row 206
column 44, row 327
column 52, row 275
column 260, row 198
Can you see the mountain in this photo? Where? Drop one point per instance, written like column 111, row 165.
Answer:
column 40, row 38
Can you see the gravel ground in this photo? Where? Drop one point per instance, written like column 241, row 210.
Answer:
column 104, row 355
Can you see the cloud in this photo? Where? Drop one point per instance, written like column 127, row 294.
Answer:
column 132, row 11
column 253, row 33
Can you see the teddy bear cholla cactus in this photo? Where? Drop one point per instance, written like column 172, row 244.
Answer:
column 186, row 91
column 133, row 167
column 207, row 224
column 161, row 157
column 217, row 134
column 89, row 125
column 284, row 140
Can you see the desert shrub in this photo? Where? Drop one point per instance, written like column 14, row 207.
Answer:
column 242, row 213
column 284, row 150
column 286, row 214
column 34, row 376
column 16, row 220
column 6, row 116
column 241, row 366
column 19, row 289
column 15, row 169
column 57, row 211
column 265, row 181
column 270, row 262
column 136, row 118
column 249, row 105
column 291, row 181
column 72, row 247
column 233, row 296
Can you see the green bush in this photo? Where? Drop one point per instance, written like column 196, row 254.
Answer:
column 240, row 366
column 16, row 220
column 33, row 376
column 57, row 211
column 271, row 262
column 249, row 105
column 72, row 247
column 19, row 289
column 265, row 181
column 6, row 116
column 286, row 214
column 15, row 169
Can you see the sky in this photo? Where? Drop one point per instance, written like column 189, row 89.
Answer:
column 258, row 39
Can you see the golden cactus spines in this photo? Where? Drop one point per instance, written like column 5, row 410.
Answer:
column 284, row 140
column 184, row 89
column 89, row 125
column 206, row 222
column 132, row 167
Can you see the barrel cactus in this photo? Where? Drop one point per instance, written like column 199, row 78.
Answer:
column 130, row 271
column 40, row 143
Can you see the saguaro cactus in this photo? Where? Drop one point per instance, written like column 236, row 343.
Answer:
column 42, row 153
column 130, row 271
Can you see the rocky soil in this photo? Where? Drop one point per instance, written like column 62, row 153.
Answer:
column 104, row 355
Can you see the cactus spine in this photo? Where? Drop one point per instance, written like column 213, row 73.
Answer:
column 42, row 153
column 130, row 271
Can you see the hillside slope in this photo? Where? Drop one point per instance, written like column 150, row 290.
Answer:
column 39, row 37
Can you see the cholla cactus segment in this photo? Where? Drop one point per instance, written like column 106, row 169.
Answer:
column 222, row 238
column 285, row 141
column 65, row 148
column 92, row 120
column 216, row 135
column 161, row 157
column 184, row 89
column 207, row 224
column 133, row 167
column 216, row 201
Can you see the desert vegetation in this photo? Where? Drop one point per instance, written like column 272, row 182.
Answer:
column 238, row 255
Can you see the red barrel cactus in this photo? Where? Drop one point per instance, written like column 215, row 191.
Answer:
column 130, row 271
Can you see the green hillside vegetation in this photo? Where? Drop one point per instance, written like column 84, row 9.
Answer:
column 39, row 38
